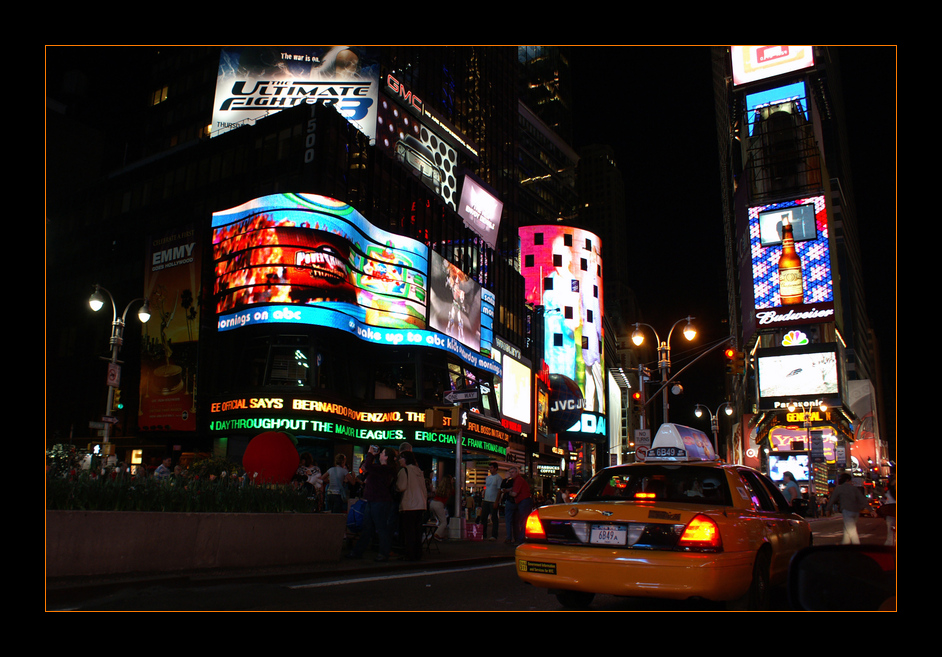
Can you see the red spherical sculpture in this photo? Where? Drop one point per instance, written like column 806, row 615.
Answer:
column 271, row 458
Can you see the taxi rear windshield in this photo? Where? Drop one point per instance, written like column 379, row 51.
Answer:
column 662, row 483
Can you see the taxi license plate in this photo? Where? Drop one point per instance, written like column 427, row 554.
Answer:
column 608, row 535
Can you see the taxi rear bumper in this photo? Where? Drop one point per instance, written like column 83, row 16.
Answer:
column 719, row 576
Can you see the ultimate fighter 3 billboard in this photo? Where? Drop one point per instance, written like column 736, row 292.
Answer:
column 254, row 81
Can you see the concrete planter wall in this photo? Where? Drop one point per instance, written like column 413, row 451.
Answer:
column 81, row 543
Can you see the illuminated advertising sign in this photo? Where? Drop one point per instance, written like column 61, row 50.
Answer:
column 455, row 302
column 254, row 81
column 171, row 335
column 562, row 268
column 488, row 302
column 304, row 416
column 814, row 300
column 754, row 63
column 480, row 210
column 808, row 376
column 793, row 438
column 515, row 388
column 419, row 147
column 311, row 260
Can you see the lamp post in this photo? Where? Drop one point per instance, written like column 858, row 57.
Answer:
column 714, row 420
column 664, row 351
column 96, row 302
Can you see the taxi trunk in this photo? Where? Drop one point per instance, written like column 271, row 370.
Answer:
column 633, row 548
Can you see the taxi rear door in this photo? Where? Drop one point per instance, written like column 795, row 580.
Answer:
column 781, row 529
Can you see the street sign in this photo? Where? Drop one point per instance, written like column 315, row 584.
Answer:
column 458, row 396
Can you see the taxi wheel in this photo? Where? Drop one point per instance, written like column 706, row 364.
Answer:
column 758, row 596
column 574, row 599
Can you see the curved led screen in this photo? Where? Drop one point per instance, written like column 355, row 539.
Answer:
column 312, row 260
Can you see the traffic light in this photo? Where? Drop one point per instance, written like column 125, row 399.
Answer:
column 735, row 361
column 117, row 405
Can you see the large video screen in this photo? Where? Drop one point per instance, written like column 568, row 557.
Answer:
column 254, row 81
column 811, row 244
column 797, row 374
column 760, row 103
column 310, row 260
column 291, row 251
column 796, row 464
column 562, row 268
column 480, row 209
column 455, row 303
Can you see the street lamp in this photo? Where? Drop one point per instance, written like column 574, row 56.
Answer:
column 664, row 350
column 714, row 420
column 96, row 302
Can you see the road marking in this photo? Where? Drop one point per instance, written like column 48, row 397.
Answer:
column 422, row 573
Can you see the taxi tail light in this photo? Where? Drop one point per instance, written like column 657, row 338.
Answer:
column 701, row 533
column 534, row 527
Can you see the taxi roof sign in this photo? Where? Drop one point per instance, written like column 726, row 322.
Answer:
column 675, row 442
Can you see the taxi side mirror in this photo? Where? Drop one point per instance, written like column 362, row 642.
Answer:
column 843, row 578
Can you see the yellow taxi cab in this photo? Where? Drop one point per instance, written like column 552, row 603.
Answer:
column 679, row 525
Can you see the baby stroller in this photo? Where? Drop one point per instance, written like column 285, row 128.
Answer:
column 354, row 522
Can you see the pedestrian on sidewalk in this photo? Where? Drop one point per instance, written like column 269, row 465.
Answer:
column 491, row 499
column 411, row 483
column 379, row 502
column 522, row 502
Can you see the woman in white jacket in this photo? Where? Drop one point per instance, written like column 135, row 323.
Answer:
column 411, row 483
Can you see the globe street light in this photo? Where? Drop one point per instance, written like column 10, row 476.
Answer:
column 96, row 302
column 664, row 351
column 714, row 421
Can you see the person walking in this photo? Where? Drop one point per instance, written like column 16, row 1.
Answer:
column 888, row 511
column 851, row 502
column 491, row 499
column 411, row 483
column 379, row 503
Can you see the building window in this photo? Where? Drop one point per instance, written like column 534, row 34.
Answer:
column 528, row 260
column 567, row 239
column 569, row 312
column 538, row 238
column 557, row 339
column 557, row 260
column 159, row 96
column 547, row 283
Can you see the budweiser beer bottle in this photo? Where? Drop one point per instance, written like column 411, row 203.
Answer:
column 790, row 283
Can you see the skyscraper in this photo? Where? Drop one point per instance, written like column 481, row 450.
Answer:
column 811, row 385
